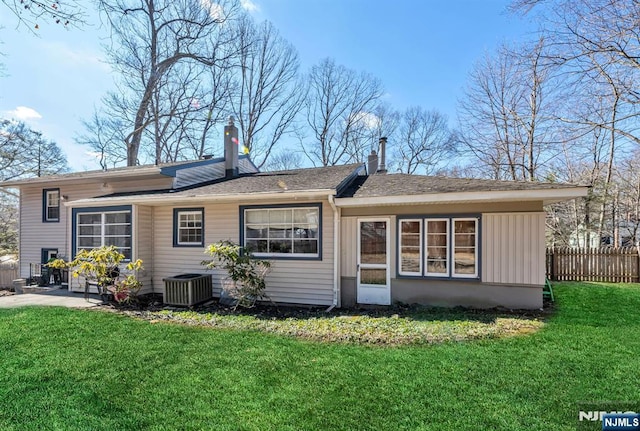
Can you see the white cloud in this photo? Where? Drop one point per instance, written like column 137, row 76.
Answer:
column 24, row 113
column 367, row 119
column 214, row 9
column 249, row 6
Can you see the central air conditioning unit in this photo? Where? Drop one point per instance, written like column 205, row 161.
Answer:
column 187, row 289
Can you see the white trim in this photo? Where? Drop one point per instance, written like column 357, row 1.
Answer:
column 336, row 253
column 170, row 198
column 369, row 293
column 179, row 213
column 545, row 195
column 103, row 234
column 47, row 205
column 400, row 271
column 453, row 247
column 447, row 235
column 317, row 239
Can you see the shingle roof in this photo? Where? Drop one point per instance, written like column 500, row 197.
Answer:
column 404, row 184
column 308, row 179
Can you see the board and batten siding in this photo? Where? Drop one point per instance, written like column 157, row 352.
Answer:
column 513, row 248
column 290, row 281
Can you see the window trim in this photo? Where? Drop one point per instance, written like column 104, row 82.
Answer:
column 176, row 228
column 101, row 210
column 426, row 272
column 450, row 248
column 283, row 256
column 46, row 206
column 420, row 251
column 476, row 274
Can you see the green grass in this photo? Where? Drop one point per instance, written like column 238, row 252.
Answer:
column 77, row 369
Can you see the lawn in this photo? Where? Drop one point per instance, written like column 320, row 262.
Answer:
column 78, row 369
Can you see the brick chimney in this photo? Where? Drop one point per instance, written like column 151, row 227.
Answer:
column 372, row 163
column 231, row 145
column 383, row 151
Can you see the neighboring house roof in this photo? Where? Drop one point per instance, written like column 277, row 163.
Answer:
column 403, row 188
column 307, row 181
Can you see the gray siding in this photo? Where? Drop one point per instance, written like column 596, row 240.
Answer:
column 290, row 281
column 196, row 174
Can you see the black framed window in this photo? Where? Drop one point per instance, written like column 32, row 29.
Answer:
column 188, row 227
column 282, row 231
column 51, row 205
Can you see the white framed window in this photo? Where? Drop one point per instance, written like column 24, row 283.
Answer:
column 282, row 231
column 188, row 227
column 465, row 247
column 410, row 247
column 103, row 228
column 445, row 247
column 51, row 205
column 437, row 247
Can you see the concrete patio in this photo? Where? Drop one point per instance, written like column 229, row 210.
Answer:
column 52, row 297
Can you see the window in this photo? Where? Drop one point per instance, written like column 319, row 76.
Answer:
column 437, row 238
column 282, row 231
column 410, row 247
column 438, row 247
column 188, row 227
column 51, row 205
column 96, row 228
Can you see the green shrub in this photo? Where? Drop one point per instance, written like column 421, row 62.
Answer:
column 246, row 275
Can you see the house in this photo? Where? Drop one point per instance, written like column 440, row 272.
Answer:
column 336, row 236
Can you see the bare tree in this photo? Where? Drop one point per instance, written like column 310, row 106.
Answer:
column 104, row 135
column 24, row 152
column 284, row 160
column 338, row 107
column 269, row 93
column 424, row 141
column 33, row 12
column 367, row 130
column 150, row 39
column 507, row 118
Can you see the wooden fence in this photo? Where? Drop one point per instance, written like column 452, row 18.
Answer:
column 609, row 264
column 8, row 271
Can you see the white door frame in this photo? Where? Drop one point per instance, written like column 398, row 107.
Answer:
column 374, row 293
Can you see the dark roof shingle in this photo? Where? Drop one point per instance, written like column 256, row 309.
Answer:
column 404, row 184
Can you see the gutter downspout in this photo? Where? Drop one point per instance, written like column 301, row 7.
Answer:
column 336, row 253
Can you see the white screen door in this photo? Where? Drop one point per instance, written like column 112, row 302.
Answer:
column 373, row 262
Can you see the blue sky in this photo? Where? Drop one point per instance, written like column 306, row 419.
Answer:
column 422, row 50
